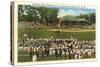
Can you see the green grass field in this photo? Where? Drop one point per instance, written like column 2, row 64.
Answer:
column 43, row 33
column 23, row 56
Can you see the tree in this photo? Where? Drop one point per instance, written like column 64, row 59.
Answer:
column 90, row 17
column 37, row 14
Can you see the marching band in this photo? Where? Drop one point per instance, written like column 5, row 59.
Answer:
column 68, row 48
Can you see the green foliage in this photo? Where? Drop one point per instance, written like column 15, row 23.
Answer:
column 90, row 17
column 37, row 14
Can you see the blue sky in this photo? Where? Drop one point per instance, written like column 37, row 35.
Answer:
column 67, row 10
column 74, row 11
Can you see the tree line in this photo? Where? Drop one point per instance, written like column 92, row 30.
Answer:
column 91, row 17
column 37, row 14
column 46, row 15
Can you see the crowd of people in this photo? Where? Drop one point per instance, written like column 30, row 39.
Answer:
column 67, row 48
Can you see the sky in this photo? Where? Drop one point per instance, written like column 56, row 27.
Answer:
column 63, row 11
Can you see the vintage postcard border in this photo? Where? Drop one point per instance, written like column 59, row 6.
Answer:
column 15, row 35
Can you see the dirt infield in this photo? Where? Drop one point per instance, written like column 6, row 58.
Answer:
column 72, row 30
